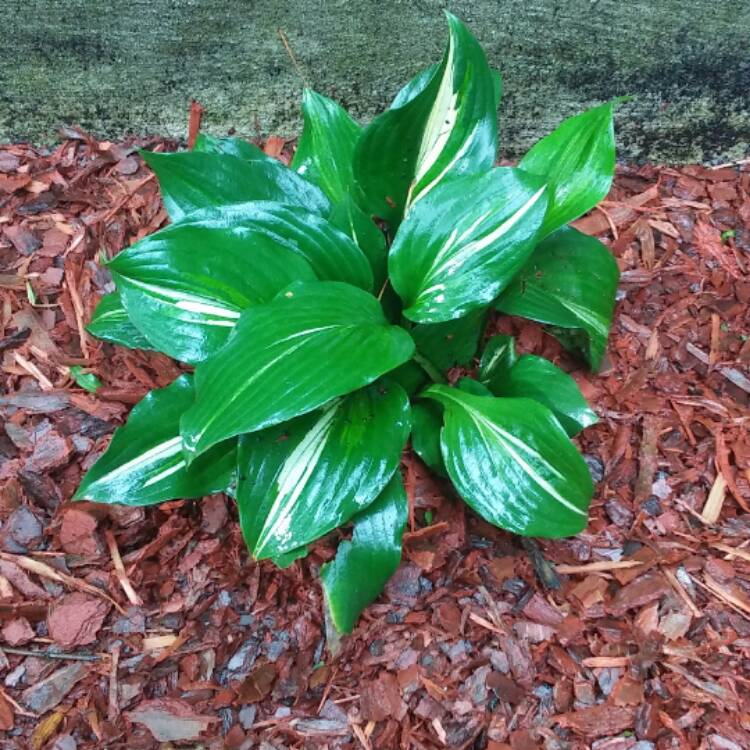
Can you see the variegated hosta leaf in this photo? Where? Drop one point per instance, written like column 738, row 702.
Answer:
column 536, row 377
column 577, row 160
column 238, row 147
column 144, row 463
column 362, row 567
column 353, row 221
column 423, row 78
column 449, row 127
column 450, row 344
column 312, row 343
column 499, row 355
column 185, row 286
column 193, row 180
column 324, row 157
column 301, row 479
column 512, row 462
column 110, row 322
column 443, row 269
column 570, row 283
column 326, row 146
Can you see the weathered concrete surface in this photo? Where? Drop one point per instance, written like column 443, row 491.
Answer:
column 132, row 65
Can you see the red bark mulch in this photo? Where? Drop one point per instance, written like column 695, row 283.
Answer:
column 127, row 628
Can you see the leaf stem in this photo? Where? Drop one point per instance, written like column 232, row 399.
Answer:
column 435, row 375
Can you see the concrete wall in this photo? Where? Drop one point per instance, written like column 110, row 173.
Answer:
column 120, row 66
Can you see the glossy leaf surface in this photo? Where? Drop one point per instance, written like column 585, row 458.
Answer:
column 498, row 356
column 450, row 344
column 194, row 180
column 410, row 376
column 444, row 269
column 350, row 219
column 469, row 385
column 537, row 378
column 448, row 127
column 144, row 463
column 110, row 322
column 577, row 160
column 238, row 147
column 423, row 78
column 362, row 566
column 185, row 286
column 427, row 422
column 312, row 343
column 569, row 282
column 512, row 462
column 326, row 146
column 301, row 479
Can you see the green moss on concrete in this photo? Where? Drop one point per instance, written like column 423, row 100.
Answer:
column 117, row 68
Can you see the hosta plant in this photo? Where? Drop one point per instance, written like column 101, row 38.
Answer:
column 320, row 305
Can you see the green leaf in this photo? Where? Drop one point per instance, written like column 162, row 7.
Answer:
column 326, row 146
column 410, row 376
column 362, row 567
column 469, row 385
column 444, row 269
column 498, row 356
column 570, row 282
column 301, row 479
column 350, row 219
column 110, row 322
column 285, row 560
column 422, row 79
column 186, row 286
column 450, row 344
column 238, row 147
column 312, row 343
column 448, row 127
column 577, row 160
column 192, row 180
column 427, row 421
column 512, row 462
column 415, row 86
column 144, row 464
column 87, row 380
column 537, row 378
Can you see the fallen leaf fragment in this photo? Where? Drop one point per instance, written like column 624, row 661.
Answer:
column 170, row 719
column 75, row 619
column 45, row 729
column 258, row 684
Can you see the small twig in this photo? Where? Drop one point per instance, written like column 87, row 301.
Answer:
column 122, row 576
column 680, row 590
column 113, row 711
column 598, row 567
column 19, row 708
column 51, row 654
column 289, row 52
column 44, row 382
column 41, row 569
column 75, row 299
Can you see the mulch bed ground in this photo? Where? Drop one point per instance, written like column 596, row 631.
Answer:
column 131, row 628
